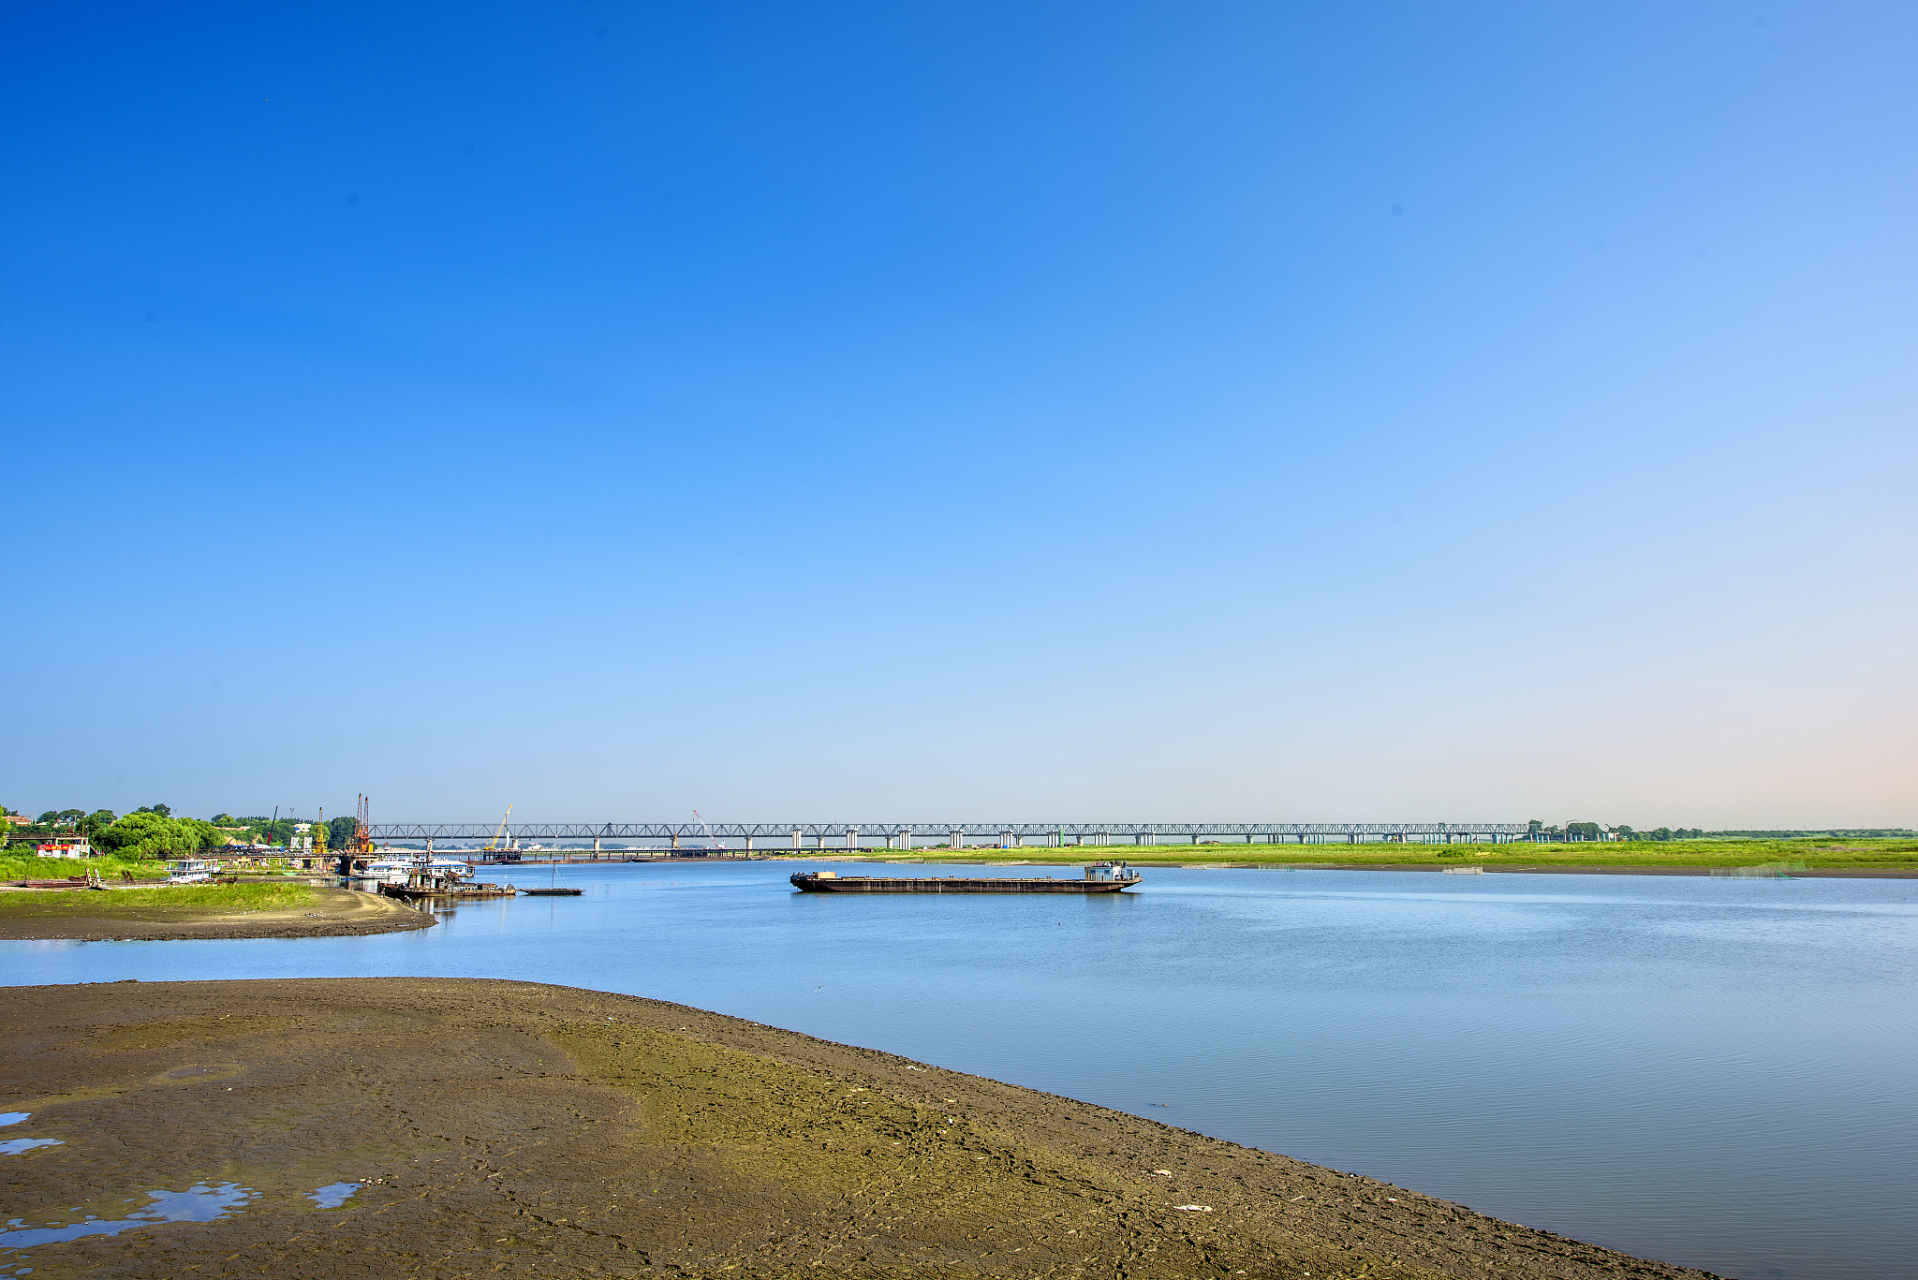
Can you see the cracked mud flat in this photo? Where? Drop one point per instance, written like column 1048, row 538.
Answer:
column 516, row 1129
column 91, row 917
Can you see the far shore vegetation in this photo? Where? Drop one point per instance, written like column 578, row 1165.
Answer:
column 1821, row 851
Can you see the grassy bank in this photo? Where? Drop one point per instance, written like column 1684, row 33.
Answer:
column 1814, row 852
column 180, row 901
column 17, row 866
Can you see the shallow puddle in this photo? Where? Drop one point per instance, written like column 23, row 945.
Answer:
column 14, row 1146
column 13, row 1117
column 198, row 1203
column 333, row 1195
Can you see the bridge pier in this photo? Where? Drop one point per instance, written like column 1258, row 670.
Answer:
column 749, row 844
column 852, row 838
column 796, row 844
column 958, row 840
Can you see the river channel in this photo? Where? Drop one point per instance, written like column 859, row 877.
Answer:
column 1711, row 1072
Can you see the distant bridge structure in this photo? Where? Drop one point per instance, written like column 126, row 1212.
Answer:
column 902, row 836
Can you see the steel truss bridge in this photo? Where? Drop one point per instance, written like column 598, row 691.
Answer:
column 907, row 835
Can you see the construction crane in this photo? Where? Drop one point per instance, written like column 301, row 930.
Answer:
column 362, row 828
column 493, row 845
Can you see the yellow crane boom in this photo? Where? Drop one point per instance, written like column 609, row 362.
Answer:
column 494, row 843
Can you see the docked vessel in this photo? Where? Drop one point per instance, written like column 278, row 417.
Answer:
column 192, row 871
column 1100, row 877
column 425, row 876
column 396, row 868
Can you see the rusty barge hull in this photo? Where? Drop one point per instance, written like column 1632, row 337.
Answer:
column 463, row 891
column 954, row 884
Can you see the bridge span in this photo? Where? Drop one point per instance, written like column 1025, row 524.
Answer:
column 902, row 836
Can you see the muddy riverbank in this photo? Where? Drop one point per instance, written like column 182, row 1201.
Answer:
column 96, row 916
column 499, row 1127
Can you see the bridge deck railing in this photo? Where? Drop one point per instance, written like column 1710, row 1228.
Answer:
column 853, row 833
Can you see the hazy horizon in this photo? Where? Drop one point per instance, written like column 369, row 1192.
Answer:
column 1109, row 413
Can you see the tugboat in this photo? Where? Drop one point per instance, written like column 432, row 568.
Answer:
column 1100, row 877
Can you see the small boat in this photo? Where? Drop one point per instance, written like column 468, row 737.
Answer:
column 1100, row 877
column 192, row 871
column 553, row 888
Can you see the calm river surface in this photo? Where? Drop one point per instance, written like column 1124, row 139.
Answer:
column 1712, row 1072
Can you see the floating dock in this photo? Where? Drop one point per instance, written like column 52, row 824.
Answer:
column 1104, row 877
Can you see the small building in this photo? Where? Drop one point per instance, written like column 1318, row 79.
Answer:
column 65, row 847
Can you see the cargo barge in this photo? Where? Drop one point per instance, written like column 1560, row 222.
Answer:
column 1103, row 877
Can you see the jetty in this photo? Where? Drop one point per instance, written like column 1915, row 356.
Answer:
column 1101, row 877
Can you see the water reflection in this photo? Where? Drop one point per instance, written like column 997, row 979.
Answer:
column 198, row 1203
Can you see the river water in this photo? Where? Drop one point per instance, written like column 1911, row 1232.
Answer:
column 1711, row 1072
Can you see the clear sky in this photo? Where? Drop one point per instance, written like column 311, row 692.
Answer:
column 911, row 411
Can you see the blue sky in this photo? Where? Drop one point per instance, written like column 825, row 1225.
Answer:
column 882, row 412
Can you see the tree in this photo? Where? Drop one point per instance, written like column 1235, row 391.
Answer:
column 94, row 823
column 160, row 809
column 339, row 833
column 146, row 833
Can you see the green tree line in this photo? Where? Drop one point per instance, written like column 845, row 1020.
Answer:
column 152, row 831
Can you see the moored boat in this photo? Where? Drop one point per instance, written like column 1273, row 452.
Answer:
column 431, row 877
column 1100, row 877
column 192, row 871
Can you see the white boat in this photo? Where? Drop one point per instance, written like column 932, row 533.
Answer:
column 394, row 868
column 192, row 871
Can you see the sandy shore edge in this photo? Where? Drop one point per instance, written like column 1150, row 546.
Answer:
column 537, row 1130
column 332, row 913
